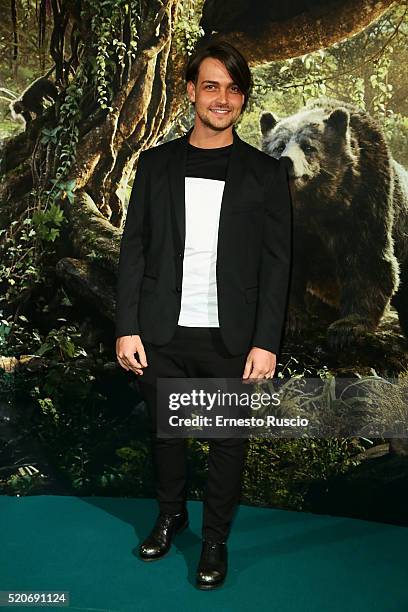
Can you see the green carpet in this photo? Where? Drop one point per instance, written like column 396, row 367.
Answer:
column 278, row 561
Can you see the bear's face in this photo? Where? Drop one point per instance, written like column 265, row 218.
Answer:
column 317, row 146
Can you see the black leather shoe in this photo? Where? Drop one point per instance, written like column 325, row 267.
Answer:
column 158, row 542
column 213, row 565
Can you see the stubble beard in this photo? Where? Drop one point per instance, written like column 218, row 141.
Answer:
column 206, row 119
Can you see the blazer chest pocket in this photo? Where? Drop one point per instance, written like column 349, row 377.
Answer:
column 251, row 294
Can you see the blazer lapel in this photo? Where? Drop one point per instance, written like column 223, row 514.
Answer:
column 176, row 173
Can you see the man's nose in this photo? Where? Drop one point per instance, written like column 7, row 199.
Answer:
column 223, row 96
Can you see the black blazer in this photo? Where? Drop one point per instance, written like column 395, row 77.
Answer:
column 253, row 253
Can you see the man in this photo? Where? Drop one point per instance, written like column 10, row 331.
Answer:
column 203, row 279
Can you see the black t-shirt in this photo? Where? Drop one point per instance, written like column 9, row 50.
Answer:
column 208, row 163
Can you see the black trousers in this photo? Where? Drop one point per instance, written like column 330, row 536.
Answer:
column 195, row 352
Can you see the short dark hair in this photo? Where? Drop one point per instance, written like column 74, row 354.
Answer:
column 233, row 60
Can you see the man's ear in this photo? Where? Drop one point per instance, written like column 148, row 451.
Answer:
column 191, row 91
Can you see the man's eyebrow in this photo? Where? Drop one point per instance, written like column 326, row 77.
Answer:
column 217, row 82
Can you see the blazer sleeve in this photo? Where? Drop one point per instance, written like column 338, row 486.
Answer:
column 275, row 263
column 131, row 257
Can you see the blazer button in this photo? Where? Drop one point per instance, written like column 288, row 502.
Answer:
column 178, row 289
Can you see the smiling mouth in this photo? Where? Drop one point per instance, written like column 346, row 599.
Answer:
column 219, row 111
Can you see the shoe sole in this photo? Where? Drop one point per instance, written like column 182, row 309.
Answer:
column 209, row 587
column 147, row 559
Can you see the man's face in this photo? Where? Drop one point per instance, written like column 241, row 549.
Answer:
column 218, row 100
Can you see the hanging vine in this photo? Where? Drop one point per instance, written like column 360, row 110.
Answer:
column 26, row 246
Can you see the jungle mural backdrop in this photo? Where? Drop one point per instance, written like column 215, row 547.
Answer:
column 85, row 86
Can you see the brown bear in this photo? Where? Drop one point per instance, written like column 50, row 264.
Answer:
column 350, row 216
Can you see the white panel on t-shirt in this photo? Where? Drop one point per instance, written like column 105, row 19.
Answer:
column 199, row 306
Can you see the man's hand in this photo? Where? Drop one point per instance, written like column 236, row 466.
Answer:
column 259, row 364
column 126, row 347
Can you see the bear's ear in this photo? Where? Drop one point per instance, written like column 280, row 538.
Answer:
column 339, row 121
column 267, row 122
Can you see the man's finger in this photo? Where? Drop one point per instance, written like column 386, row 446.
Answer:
column 132, row 362
column 247, row 369
column 128, row 367
column 122, row 363
column 257, row 374
column 137, row 366
column 136, row 369
column 142, row 355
